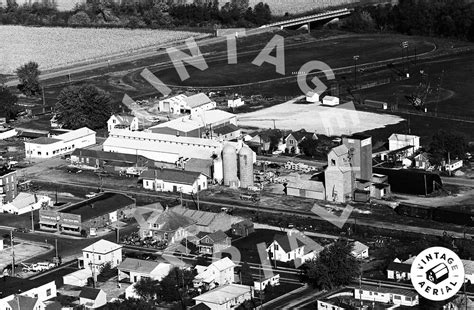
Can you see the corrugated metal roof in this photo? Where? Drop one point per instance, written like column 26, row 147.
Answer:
column 192, row 122
column 75, row 134
column 44, row 140
column 197, row 100
column 171, row 175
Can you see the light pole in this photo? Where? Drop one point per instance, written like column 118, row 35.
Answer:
column 356, row 57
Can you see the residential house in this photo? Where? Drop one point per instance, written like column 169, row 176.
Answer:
column 41, row 288
column 312, row 97
column 235, row 103
column 101, row 252
column 360, row 250
column 293, row 140
column 422, row 161
column 92, row 298
column 79, row 277
column 282, row 250
column 8, row 185
column 399, row 271
column 261, row 284
column 210, row 243
column 174, row 180
column 7, row 132
column 47, row 147
column 339, row 175
column 392, row 295
column 452, row 166
column 225, row 297
column 400, row 141
column 219, row 273
column 330, row 101
column 259, row 142
column 460, row 302
column 167, row 226
column 20, row 302
column 122, row 121
column 26, row 202
column 135, row 269
column 243, row 228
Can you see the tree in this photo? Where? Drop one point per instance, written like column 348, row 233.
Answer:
column 309, row 147
column 8, row 100
column 28, row 74
column 447, row 142
column 79, row 19
column 83, row 106
column 246, row 274
column 128, row 304
column 176, row 281
column 147, row 288
column 334, row 266
column 262, row 13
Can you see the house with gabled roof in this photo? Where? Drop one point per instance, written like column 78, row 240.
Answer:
column 135, row 269
column 293, row 140
column 210, row 243
column 397, row 270
column 20, row 302
column 219, row 273
column 92, row 298
column 42, row 288
column 122, row 121
column 281, row 249
column 100, row 253
column 229, row 296
column 174, row 180
column 360, row 250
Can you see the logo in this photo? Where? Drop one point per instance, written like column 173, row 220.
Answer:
column 437, row 273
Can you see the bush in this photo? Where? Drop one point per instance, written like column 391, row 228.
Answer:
column 79, row 19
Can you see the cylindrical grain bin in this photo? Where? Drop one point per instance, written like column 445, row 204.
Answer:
column 246, row 166
column 229, row 158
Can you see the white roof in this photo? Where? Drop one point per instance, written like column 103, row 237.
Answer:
column 330, row 98
column 102, row 247
column 192, row 122
column 197, row 100
column 224, row 293
column 75, row 134
column 23, row 200
column 178, row 99
column 158, row 137
column 402, row 137
column 223, row 264
column 359, row 247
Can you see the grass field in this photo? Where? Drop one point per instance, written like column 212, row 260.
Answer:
column 53, row 47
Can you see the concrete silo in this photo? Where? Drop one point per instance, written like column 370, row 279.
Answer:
column 246, row 166
column 229, row 158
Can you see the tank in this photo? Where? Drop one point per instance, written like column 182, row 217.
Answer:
column 246, row 166
column 229, row 158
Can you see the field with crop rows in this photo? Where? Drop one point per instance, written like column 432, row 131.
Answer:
column 55, row 47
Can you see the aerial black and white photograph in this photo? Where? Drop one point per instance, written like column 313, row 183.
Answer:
column 236, row 154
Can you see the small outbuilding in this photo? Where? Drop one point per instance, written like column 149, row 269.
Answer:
column 330, row 101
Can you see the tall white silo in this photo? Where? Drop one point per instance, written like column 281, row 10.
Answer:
column 246, row 166
column 229, row 157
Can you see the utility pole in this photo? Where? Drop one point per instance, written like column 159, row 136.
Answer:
column 32, row 219
column 181, row 196
column 118, row 232
column 197, row 194
column 260, row 285
column 360, row 285
column 356, row 57
column 44, row 101
column 56, row 247
column 13, row 253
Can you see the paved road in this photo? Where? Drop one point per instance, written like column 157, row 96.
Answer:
column 458, row 181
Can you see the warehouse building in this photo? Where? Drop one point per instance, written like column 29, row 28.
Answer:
column 410, row 143
column 8, row 185
column 173, row 180
column 47, row 147
column 87, row 216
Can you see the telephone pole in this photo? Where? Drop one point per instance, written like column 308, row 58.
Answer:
column 13, row 253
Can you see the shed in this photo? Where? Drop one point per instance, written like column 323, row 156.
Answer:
column 330, row 101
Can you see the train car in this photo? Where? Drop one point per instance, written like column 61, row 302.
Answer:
column 453, row 216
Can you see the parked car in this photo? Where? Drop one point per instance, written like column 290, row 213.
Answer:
column 42, row 266
column 91, row 195
column 22, row 229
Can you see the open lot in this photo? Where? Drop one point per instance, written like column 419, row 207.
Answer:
column 23, row 250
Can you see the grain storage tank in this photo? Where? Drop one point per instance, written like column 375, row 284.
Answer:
column 229, row 158
column 246, row 166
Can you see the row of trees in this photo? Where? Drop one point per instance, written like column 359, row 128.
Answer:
column 143, row 14
column 417, row 17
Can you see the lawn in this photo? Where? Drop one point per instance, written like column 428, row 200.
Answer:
column 53, row 47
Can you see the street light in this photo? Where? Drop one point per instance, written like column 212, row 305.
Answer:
column 356, row 57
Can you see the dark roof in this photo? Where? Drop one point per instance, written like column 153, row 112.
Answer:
column 171, row 175
column 172, row 221
column 13, row 285
column 99, row 205
column 400, row 149
column 109, row 156
column 300, row 134
column 216, row 236
column 358, row 136
column 200, row 306
column 399, row 267
column 55, row 305
column 31, row 134
column 44, row 140
column 409, row 181
column 21, row 302
column 223, row 130
column 89, row 293
column 284, row 242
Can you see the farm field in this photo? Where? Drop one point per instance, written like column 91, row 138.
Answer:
column 55, row 47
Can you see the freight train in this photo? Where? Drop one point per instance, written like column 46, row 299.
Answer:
column 444, row 215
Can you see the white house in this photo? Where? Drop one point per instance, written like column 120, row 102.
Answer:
column 92, row 298
column 453, row 165
column 360, row 250
column 101, row 252
column 173, row 180
column 328, row 305
column 47, row 147
column 282, row 250
column 399, row 141
column 122, row 121
column 25, row 202
column 397, row 296
column 225, row 297
column 330, row 101
column 312, row 97
column 174, row 105
column 31, row 288
column 6, row 133
column 136, row 269
column 397, row 270
column 77, row 278
column 234, row 103
column 218, row 273
column 260, row 285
